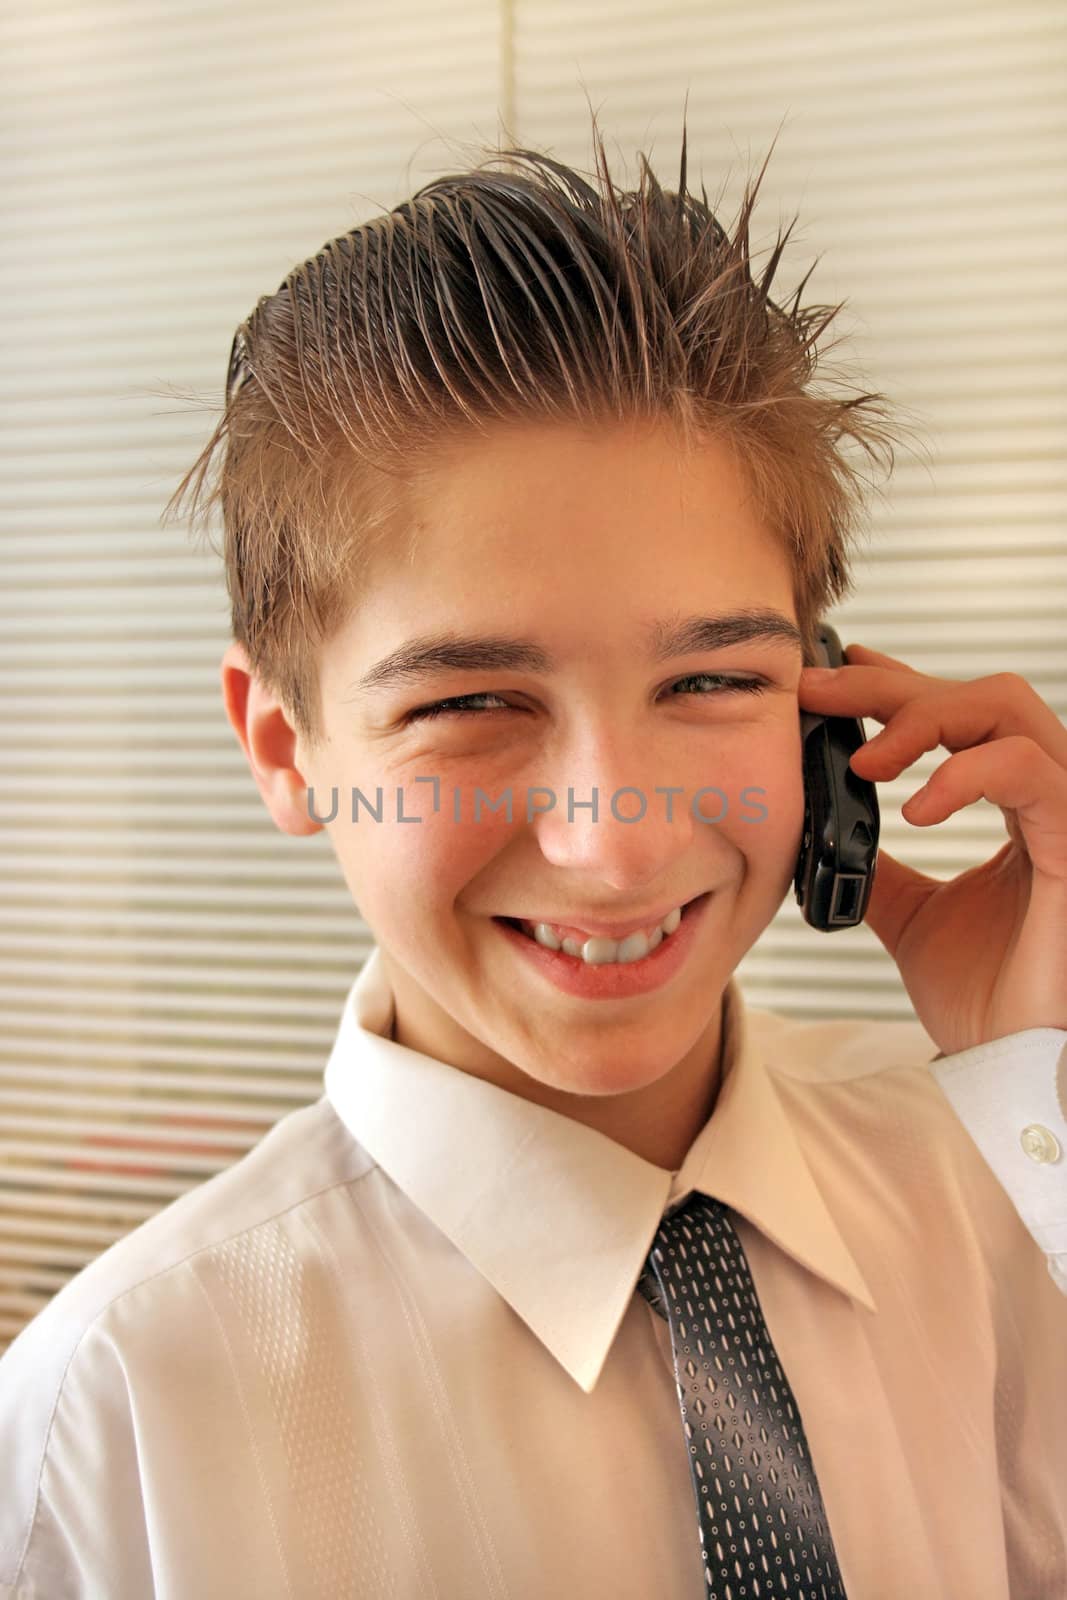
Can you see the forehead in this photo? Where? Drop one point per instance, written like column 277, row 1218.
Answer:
column 572, row 540
column 561, row 455
column 546, row 489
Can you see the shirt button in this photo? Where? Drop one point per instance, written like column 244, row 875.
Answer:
column 1040, row 1143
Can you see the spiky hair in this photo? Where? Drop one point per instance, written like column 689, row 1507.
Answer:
column 495, row 297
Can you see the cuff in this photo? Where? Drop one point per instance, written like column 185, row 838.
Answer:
column 1010, row 1094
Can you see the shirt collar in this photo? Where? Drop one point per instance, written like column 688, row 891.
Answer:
column 558, row 1217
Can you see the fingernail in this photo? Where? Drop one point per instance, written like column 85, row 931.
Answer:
column 821, row 672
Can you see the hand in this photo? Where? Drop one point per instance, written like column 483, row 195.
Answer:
column 984, row 954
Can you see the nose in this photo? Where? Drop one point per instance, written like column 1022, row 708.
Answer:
column 619, row 817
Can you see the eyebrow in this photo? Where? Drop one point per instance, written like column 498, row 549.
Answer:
column 428, row 654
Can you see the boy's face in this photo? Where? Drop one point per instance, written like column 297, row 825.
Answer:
column 579, row 543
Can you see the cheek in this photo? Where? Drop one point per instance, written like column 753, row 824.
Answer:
column 765, row 821
column 400, row 870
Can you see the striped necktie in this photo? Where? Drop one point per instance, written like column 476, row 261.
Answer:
column 763, row 1527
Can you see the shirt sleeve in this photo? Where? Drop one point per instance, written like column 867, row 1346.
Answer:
column 72, row 1517
column 1010, row 1095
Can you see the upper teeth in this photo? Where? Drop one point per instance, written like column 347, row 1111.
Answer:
column 597, row 951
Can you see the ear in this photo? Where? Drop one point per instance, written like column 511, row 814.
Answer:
column 269, row 742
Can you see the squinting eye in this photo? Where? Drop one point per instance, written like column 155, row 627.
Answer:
column 450, row 708
column 745, row 685
column 458, row 706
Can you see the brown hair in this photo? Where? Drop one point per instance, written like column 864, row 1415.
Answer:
column 495, row 297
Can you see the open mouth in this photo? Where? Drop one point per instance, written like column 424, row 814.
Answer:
column 514, row 922
column 611, row 980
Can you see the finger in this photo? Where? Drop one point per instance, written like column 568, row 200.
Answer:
column 1015, row 774
column 928, row 712
column 861, row 691
column 863, row 655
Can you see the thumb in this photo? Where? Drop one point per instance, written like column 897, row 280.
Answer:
column 897, row 893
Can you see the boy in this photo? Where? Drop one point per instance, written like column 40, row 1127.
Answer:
column 582, row 1278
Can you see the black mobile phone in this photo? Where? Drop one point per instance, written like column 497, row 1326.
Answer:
column 835, row 868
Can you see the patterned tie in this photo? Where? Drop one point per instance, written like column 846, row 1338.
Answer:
column 763, row 1527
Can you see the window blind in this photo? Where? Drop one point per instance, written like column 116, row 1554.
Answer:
column 172, row 967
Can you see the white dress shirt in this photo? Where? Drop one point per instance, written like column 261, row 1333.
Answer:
column 396, row 1350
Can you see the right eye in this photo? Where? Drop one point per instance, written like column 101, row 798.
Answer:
column 456, row 707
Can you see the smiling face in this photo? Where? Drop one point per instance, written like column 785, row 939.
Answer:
column 580, row 543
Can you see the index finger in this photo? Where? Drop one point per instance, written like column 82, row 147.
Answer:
column 947, row 711
column 862, row 654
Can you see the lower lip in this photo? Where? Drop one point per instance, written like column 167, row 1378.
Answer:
column 612, row 980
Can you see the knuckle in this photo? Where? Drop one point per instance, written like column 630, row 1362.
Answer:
column 1025, row 750
column 1010, row 683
